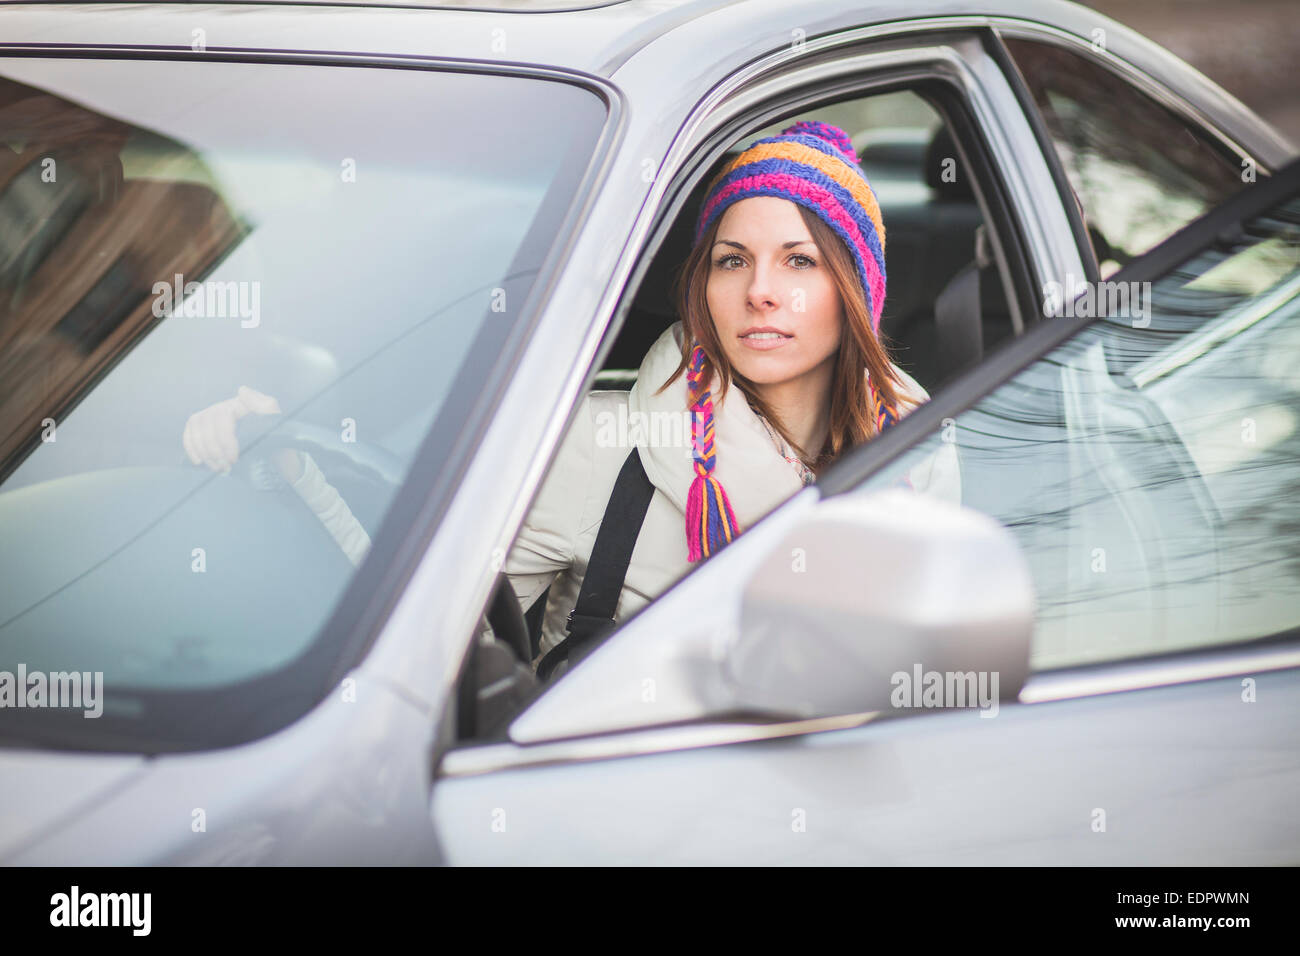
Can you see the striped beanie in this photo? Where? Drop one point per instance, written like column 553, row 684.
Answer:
column 812, row 164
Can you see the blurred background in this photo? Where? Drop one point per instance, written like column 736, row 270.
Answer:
column 1249, row 47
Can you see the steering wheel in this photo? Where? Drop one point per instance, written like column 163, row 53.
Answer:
column 375, row 473
column 368, row 460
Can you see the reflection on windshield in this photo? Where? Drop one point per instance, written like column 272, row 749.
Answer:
column 80, row 248
column 225, row 332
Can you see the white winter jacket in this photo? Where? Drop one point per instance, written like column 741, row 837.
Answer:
column 558, row 534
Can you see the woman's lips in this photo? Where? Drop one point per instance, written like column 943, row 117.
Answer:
column 765, row 341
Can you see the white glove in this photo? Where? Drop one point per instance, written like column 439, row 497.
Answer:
column 210, row 438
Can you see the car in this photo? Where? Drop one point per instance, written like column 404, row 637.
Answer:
column 426, row 233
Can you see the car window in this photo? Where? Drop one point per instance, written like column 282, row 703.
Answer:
column 1149, row 466
column 1140, row 172
column 172, row 232
column 933, row 224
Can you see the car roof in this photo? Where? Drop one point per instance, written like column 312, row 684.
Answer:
column 665, row 49
column 594, row 36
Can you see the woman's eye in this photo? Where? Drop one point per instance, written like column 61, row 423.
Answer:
column 798, row 260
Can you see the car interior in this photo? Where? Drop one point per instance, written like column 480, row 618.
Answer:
column 945, row 310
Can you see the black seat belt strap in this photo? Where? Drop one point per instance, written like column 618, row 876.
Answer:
column 593, row 615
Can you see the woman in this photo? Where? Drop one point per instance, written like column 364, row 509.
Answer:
column 776, row 358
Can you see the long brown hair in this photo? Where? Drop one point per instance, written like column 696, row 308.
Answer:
column 851, row 412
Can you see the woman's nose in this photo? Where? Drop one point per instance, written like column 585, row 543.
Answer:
column 761, row 294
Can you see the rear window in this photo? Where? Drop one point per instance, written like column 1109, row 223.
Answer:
column 1139, row 171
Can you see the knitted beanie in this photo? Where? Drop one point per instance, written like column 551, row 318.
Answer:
column 812, row 164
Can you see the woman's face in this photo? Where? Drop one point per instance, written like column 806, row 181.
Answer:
column 774, row 303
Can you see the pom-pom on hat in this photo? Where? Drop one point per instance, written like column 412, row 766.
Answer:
column 813, row 164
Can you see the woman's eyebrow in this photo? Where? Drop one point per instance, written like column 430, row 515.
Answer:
column 785, row 245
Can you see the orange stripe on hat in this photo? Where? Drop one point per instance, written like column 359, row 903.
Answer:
column 829, row 165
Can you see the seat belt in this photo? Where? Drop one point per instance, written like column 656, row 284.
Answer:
column 593, row 615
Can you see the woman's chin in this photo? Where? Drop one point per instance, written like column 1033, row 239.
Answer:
column 765, row 371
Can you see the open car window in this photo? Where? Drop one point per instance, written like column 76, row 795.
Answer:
column 1149, row 465
column 945, row 220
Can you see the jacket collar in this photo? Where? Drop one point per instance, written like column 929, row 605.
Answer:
column 748, row 465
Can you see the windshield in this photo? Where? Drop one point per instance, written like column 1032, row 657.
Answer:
column 234, row 299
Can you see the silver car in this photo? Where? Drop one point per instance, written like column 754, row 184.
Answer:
column 425, row 233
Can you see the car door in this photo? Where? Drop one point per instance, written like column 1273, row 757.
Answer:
column 1146, row 460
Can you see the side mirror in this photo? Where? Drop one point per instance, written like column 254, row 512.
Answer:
column 865, row 602
column 811, row 613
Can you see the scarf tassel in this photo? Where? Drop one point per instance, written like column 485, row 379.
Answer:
column 710, row 522
column 886, row 416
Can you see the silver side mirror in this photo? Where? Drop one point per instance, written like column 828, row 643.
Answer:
column 812, row 613
column 882, row 602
